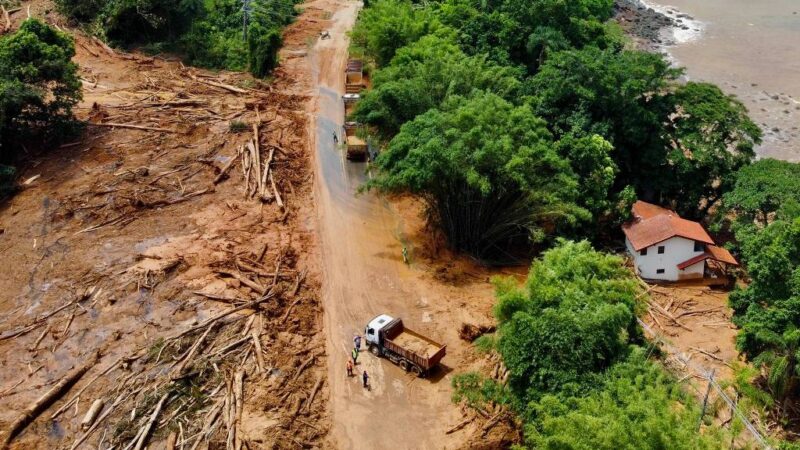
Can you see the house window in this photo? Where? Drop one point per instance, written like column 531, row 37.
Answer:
column 698, row 246
column 659, row 270
column 643, row 252
column 660, row 249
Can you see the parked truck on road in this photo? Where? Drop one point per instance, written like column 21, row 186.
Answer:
column 356, row 148
column 413, row 352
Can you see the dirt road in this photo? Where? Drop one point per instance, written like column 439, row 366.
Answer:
column 364, row 275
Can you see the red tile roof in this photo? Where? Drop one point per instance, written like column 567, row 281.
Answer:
column 712, row 252
column 694, row 260
column 722, row 255
column 653, row 224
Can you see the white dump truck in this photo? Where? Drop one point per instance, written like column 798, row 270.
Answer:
column 413, row 352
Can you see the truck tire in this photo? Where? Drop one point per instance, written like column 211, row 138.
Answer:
column 416, row 370
column 375, row 350
column 404, row 365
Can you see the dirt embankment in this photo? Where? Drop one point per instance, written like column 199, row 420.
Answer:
column 132, row 244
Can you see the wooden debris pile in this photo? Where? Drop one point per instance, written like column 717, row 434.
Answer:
column 193, row 387
column 490, row 425
column 188, row 111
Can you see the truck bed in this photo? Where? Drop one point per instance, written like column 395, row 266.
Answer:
column 415, row 343
column 423, row 351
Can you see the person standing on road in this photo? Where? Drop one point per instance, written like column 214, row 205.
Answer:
column 405, row 254
column 349, row 368
column 365, row 379
column 357, row 342
column 335, row 138
column 355, row 355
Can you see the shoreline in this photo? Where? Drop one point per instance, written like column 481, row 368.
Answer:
column 656, row 28
column 688, row 42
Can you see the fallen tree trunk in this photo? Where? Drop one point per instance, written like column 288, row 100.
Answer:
column 146, row 432
column 134, row 127
column 33, row 411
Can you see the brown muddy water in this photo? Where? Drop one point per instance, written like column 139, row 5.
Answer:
column 750, row 48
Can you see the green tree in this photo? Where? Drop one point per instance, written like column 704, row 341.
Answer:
column 422, row 76
column 768, row 309
column 614, row 95
column 674, row 144
column 525, row 32
column 39, row 86
column 761, row 189
column 636, row 406
column 591, row 159
column 489, row 173
column 571, row 322
column 388, row 25
column 710, row 137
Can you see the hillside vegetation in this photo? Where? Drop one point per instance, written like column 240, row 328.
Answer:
column 580, row 377
column 209, row 33
column 614, row 123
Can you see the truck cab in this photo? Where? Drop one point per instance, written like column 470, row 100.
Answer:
column 374, row 327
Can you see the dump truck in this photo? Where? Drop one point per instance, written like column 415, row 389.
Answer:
column 354, row 76
column 413, row 352
column 356, row 148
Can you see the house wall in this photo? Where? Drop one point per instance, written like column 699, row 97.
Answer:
column 676, row 251
column 696, row 270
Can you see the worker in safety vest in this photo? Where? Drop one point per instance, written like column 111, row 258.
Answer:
column 355, row 355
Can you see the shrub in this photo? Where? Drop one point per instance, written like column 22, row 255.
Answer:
column 39, row 85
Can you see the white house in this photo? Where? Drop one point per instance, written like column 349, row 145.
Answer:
column 666, row 247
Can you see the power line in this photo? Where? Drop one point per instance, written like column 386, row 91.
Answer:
column 708, row 376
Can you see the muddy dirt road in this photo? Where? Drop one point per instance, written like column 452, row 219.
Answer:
column 364, row 275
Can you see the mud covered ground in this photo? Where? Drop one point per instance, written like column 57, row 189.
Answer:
column 122, row 253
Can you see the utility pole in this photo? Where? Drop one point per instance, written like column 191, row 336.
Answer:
column 705, row 400
column 245, row 18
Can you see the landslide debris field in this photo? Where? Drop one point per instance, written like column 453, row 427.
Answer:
column 161, row 282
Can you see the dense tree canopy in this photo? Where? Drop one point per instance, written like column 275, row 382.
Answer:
column 768, row 309
column 577, row 378
column 571, row 321
column 677, row 145
column 636, row 406
column 710, row 137
column 525, row 32
column 388, row 25
column 765, row 210
column 423, row 75
column 489, row 172
column 208, row 32
column 761, row 190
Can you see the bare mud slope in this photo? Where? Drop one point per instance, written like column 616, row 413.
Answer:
column 182, row 301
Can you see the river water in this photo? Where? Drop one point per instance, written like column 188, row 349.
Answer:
column 751, row 49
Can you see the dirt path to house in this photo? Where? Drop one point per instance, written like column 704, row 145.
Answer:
column 363, row 273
